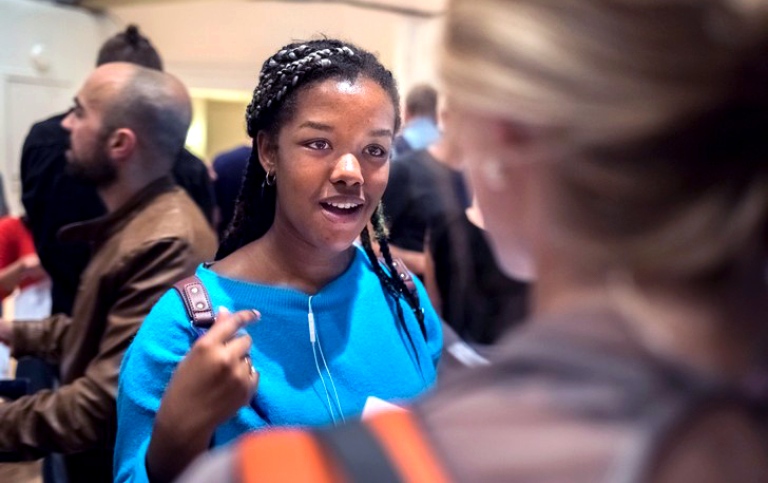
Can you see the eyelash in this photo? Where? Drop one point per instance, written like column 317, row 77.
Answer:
column 383, row 152
column 312, row 144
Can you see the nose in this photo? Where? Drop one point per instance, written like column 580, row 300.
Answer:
column 347, row 170
column 66, row 123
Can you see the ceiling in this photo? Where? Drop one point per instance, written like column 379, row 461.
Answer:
column 422, row 8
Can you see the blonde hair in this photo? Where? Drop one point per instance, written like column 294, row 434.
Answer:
column 640, row 98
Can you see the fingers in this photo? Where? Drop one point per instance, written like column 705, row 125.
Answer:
column 228, row 324
column 239, row 347
column 252, row 375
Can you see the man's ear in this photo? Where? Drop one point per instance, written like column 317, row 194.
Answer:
column 266, row 151
column 122, row 143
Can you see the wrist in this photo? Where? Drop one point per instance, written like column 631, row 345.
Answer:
column 180, row 427
column 172, row 447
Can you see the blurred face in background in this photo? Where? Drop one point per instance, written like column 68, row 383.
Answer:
column 501, row 183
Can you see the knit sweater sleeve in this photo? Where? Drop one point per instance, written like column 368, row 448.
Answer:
column 162, row 342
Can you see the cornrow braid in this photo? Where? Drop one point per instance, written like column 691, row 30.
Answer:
column 285, row 69
column 294, row 68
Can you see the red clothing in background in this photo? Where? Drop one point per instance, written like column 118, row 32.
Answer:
column 15, row 242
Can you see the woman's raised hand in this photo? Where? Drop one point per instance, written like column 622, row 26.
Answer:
column 213, row 381
column 216, row 377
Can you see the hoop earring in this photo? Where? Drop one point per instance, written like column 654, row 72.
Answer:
column 268, row 181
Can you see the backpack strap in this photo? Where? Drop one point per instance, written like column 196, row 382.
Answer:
column 404, row 275
column 282, row 456
column 196, row 302
column 360, row 455
column 390, row 447
column 407, row 279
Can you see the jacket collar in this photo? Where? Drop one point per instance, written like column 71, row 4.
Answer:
column 103, row 227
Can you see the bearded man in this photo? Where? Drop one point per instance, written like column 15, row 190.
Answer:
column 126, row 127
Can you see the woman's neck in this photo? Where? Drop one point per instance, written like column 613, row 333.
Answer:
column 718, row 332
column 270, row 260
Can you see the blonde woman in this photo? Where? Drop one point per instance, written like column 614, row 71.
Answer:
column 622, row 146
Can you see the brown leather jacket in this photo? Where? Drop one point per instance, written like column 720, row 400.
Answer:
column 140, row 250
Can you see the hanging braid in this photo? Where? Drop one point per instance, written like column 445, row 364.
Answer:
column 391, row 281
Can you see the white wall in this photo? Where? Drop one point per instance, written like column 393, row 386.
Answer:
column 222, row 44
column 47, row 52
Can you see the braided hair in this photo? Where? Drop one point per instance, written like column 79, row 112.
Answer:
column 297, row 67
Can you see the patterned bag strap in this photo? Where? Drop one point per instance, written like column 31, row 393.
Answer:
column 196, row 302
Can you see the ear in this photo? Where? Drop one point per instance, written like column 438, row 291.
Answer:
column 509, row 133
column 266, row 152
column 122, row 143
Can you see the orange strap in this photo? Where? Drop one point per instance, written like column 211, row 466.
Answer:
column 285, row 456
column 403, row 440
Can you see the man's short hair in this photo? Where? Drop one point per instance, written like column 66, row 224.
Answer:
column 132, row 47
column 148, row 106
column 422, row 101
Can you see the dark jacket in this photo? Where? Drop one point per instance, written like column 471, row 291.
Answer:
column 421, row 192
column 52, row 199
column 139, row 251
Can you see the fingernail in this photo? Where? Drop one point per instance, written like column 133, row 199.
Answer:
column 224, row 310
column 256, row 313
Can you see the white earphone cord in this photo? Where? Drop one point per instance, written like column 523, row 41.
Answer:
column 313, row 339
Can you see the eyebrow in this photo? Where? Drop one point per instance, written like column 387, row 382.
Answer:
column 327, row 128
column 316, row 125
column 76, row 101
column 381, row 133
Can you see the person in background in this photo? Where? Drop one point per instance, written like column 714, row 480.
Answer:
column 19, row 264
column 126, row 128
column 339, row 329
column 620, row 147
column 425, row 187
column 475, row 297
column 53, row 198
column 229, row 168
column 19, row 269
column 420, row 121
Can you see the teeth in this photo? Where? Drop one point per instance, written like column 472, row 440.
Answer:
column 344, row 206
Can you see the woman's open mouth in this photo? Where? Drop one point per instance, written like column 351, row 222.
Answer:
column 342, row 212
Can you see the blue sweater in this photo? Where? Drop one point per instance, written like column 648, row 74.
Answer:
column 367, row 353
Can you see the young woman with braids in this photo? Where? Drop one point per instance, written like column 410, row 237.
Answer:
column 336, row 325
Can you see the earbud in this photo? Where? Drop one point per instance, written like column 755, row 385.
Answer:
column 311, row 322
